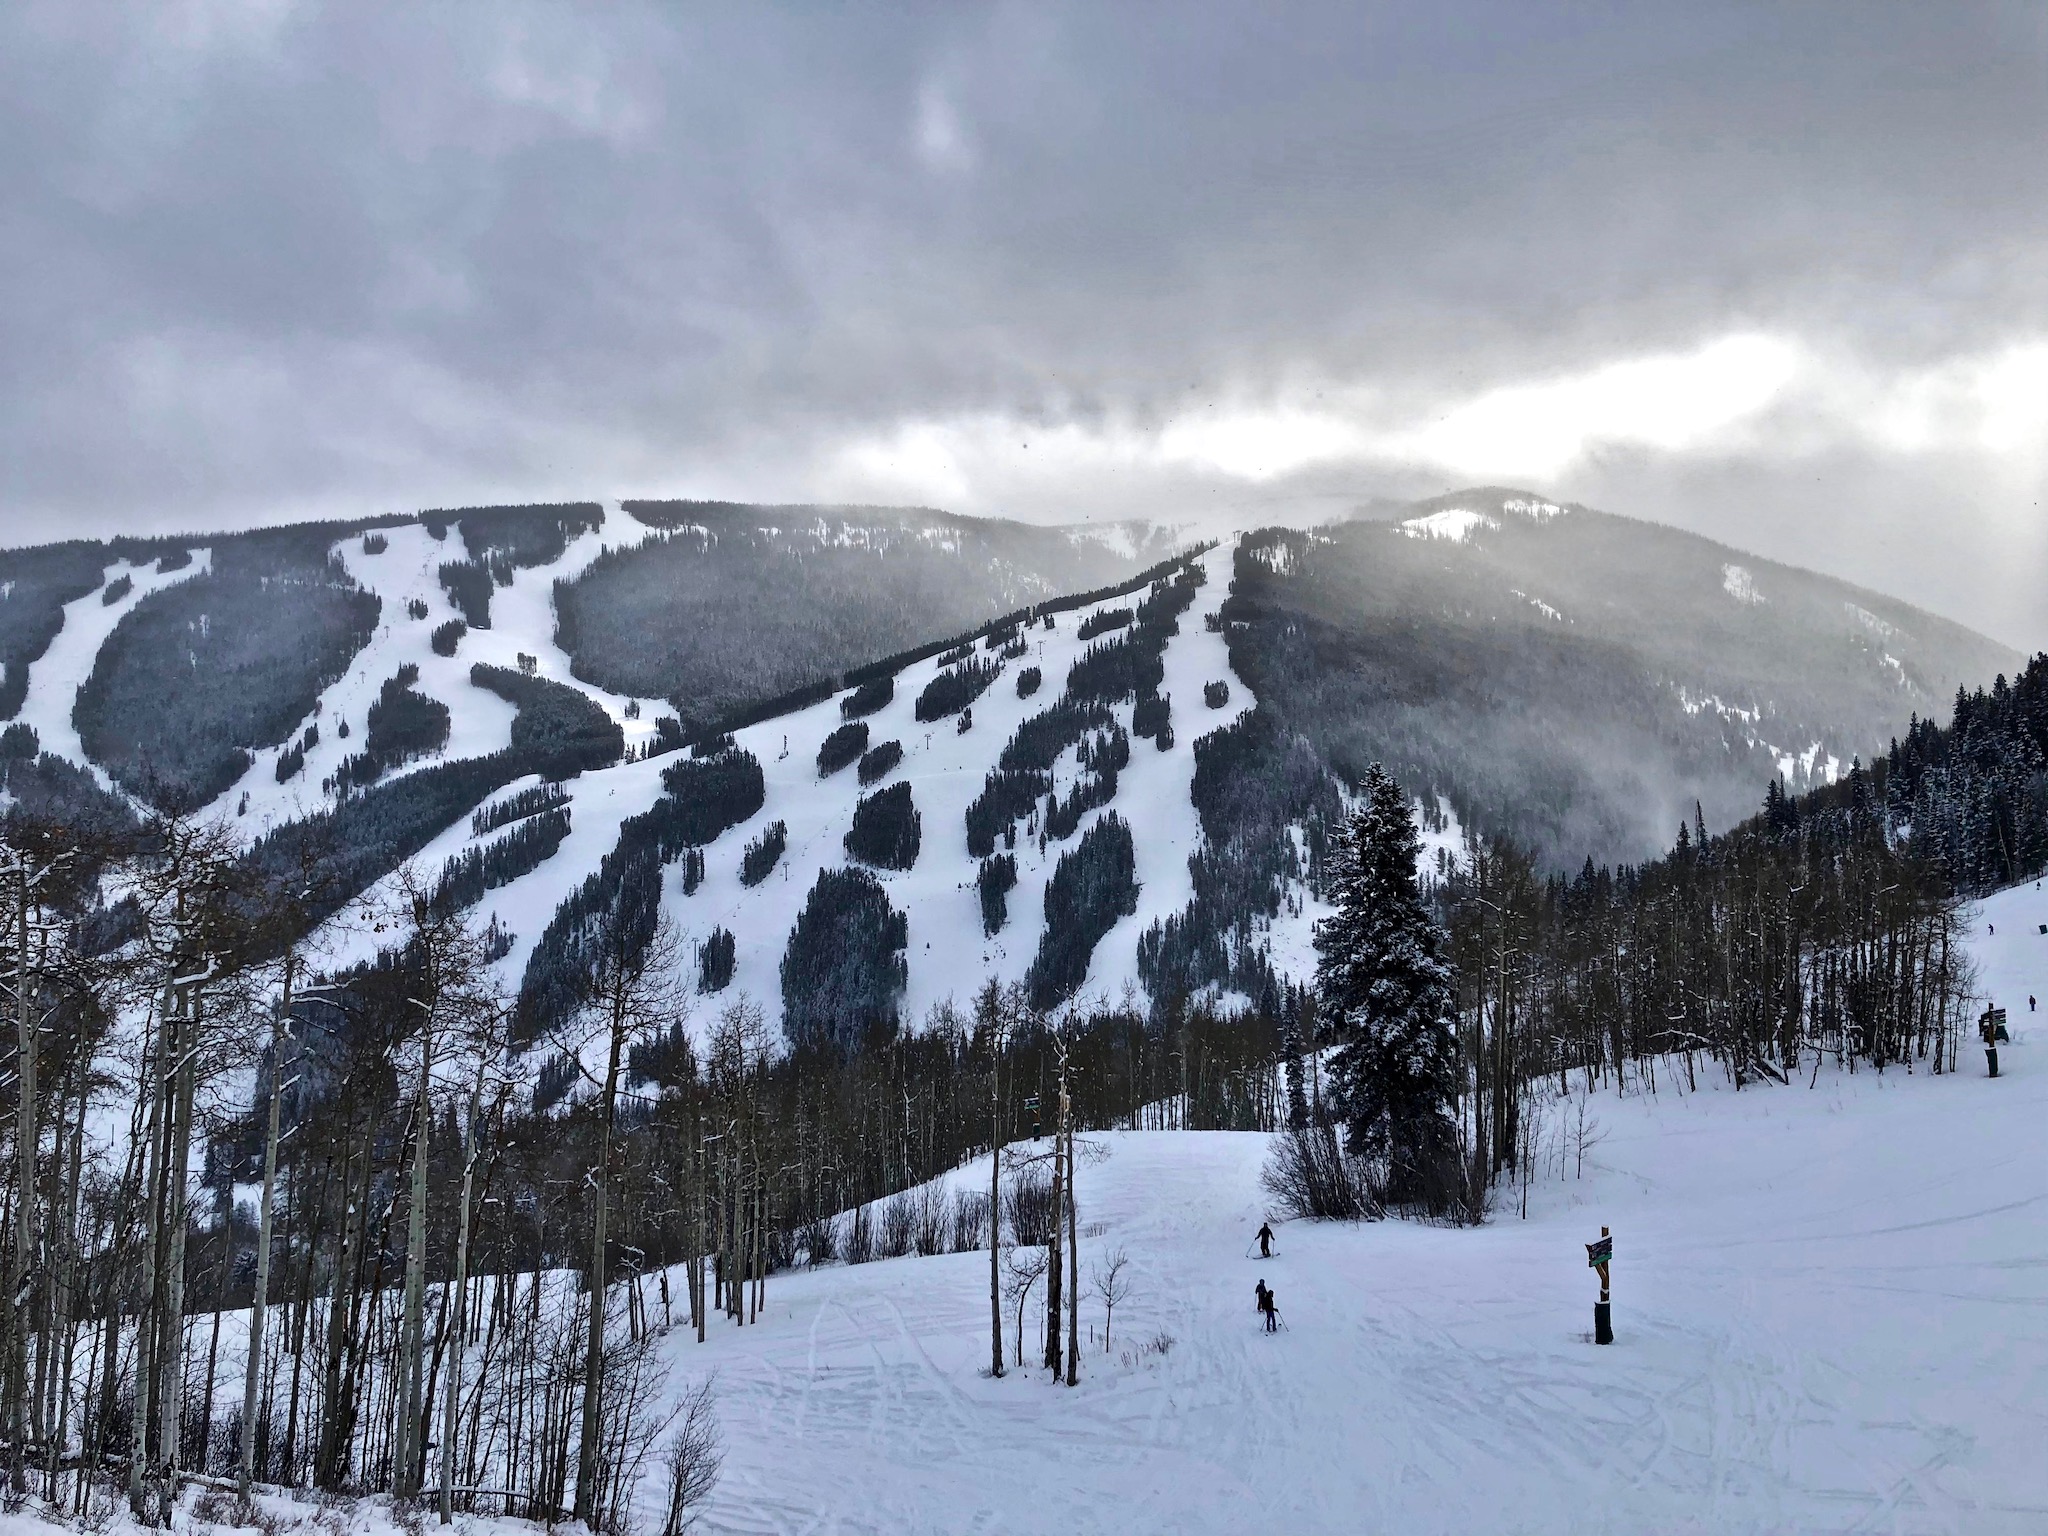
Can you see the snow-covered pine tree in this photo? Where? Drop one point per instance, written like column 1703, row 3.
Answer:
column 1290, row 1050
column 1388, row 1004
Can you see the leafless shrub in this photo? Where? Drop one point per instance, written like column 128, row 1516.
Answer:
column 970, row 1220
column 899, row 1224
column 214, row 1507
column 929, row 1236
column 1310, row 1174
column 1022, row 1268
column 820, row 1240
column 1028, row 1205
column 694, row 1458
column 860, row 1236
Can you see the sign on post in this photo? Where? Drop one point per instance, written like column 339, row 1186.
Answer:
column 1991, row 1029
column 1598, row 1256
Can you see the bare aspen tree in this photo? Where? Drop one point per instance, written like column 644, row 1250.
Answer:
column 452, row 987
column 1054, row 1263
column 27, row 1141
column 636, row 993
column 488, row 1061
column 280, row 1032
column 990, row 1007
column 1112, row 1288
column 1073, row 1236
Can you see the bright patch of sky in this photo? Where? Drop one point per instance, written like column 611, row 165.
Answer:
column 1738, row 392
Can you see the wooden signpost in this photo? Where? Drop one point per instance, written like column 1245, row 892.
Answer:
column 1598, row 1256
column 1991, row 1029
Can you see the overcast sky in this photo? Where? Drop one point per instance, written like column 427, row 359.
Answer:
column 1776, row 273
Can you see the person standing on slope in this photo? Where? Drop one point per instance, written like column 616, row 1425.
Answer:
column 1267, row 1308
column 1265, row 1240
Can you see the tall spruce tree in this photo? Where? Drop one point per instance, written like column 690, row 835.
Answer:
column 1388, row 1005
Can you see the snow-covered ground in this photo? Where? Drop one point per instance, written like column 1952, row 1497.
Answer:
column 1828, row 1307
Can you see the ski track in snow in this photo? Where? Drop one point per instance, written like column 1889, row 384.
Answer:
column 56, row 676
column 1827, row 1320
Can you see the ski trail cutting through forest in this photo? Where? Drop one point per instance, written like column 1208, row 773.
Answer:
column 56, row 676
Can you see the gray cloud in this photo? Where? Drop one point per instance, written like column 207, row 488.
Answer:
column 266, row 260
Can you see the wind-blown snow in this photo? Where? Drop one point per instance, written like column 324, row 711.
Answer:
column 1455, row 524
column 55, row 678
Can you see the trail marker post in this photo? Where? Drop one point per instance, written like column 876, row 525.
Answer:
column 1598, row 1256
column 1991, row 1029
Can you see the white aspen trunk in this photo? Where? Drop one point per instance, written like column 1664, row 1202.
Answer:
column 451, row 1405
column 405, row 1478
column 995, row 1209
column 146, row 1319
column 1073, row 1246
column 171, row 1335
column 593, row 1356
column 251, row 1376
column 26, row 1136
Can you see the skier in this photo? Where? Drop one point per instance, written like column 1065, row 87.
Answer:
column 1265, row 1240
column 1267, row 1308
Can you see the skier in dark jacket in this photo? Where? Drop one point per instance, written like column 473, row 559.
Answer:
column 1265, row 1240
column 1267, row 1308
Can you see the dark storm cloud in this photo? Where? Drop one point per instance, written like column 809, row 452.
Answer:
column 266, row 260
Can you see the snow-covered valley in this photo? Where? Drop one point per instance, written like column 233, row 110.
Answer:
column 1826, row 1298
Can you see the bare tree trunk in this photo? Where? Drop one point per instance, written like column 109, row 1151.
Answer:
column 261, row 1300
column 27, row 1131
column 593, row 1355
column 1073, row 1245
column 459, row 1298
column 995, row 1208
column 142, row 1415
column 171, row 1332
column 405, row 1471
column 1053, row 1264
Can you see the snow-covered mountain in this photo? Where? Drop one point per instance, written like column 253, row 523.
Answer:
column 946, row 768
column 1578, row 680
column 402, row 691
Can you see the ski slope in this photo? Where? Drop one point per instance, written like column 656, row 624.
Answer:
column 1828, row 1309
column 949, row 957
column 55, row 677
column 407, row 571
